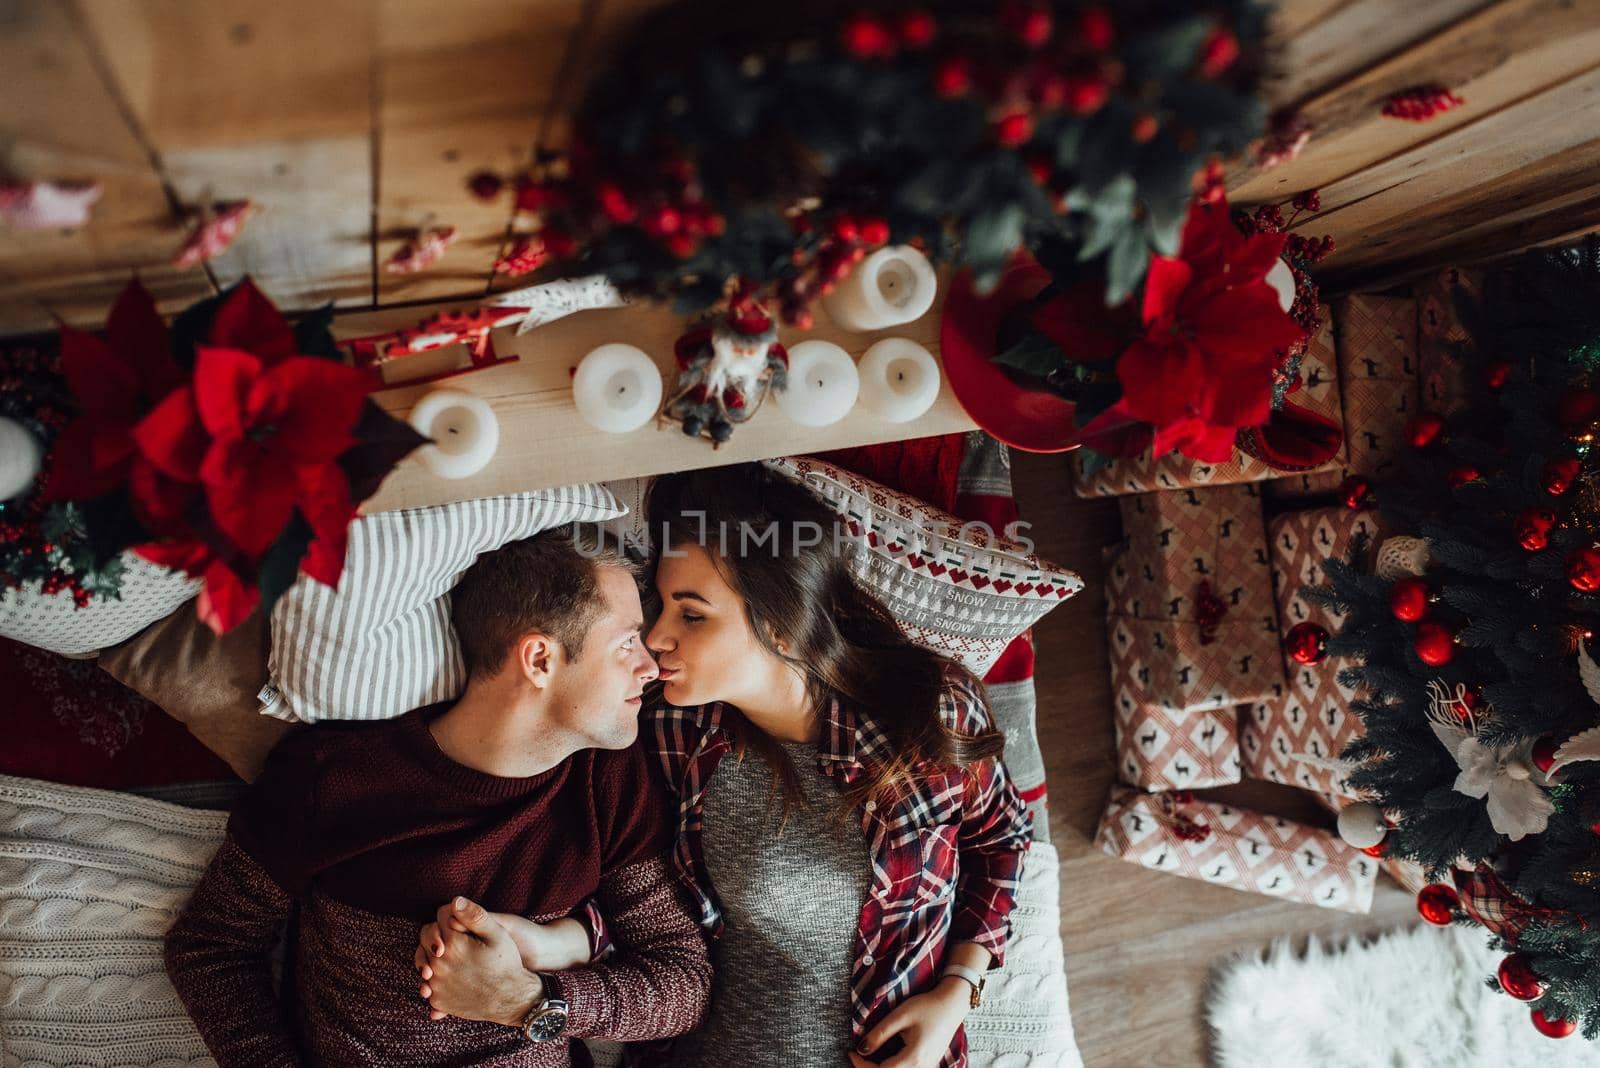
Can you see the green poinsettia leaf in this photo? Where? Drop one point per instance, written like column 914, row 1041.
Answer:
column 1034, row 354
column 1125, row 268
column 992, row 235
column 313, row 334
column 282, row 562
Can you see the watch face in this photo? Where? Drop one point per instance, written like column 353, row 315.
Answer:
column 550, row 1023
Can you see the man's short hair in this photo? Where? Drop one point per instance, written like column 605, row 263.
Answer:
column 548, row 583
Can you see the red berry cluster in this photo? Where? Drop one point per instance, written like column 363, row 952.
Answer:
column 1420, row 103
column 847, row 240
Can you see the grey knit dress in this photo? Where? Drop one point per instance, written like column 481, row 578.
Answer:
column 791, row 906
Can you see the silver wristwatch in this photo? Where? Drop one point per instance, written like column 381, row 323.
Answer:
column 547, row 1020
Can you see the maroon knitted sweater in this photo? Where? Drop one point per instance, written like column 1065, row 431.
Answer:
column 360, row 832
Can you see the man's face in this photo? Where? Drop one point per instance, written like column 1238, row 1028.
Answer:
column 597, row 696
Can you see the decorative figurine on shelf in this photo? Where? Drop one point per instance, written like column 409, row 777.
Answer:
column 726, row 366
column 469, row 328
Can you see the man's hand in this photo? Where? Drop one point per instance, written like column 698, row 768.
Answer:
column 475, row 972
column 925, row 1023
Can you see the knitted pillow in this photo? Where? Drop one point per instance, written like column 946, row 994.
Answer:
column 382, row 644
column 53, row 622
column 959, row 588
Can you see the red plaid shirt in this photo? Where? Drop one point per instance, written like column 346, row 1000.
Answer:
column 946, row 857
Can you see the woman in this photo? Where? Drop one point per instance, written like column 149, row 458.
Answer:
column 845, row 827
column 852, row 920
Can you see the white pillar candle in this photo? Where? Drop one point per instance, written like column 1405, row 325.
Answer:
column 617, row 388
column 464, row 430
column 899, row 379
column 1281, row 279
column 20, row 457
column 823, row 384
column 891, row 287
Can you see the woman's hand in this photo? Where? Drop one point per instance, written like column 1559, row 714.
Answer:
column 926, row 1024
column 545, row 947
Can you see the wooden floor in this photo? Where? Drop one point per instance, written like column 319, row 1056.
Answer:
column 1139, row 943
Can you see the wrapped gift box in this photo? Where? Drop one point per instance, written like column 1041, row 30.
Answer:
column 1377, row 339
column 1192, row 633
column 1246, row 850
column 1295, row 736
column 1319, row 392
column 1439, row 329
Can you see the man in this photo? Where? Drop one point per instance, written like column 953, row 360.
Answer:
column 525, row 797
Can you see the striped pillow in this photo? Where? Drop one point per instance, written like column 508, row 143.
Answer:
column 381, row 644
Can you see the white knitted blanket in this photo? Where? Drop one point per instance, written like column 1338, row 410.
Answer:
column 90, row 880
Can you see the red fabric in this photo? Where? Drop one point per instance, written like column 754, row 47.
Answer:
column 67, row 721
column 925, row 468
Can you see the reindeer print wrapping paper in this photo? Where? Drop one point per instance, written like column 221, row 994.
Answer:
column 1192, row 633
column 1235, row 847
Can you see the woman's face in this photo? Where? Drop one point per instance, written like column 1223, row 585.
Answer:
column 702, row 640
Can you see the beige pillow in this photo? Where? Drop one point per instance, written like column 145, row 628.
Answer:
column 206, row 681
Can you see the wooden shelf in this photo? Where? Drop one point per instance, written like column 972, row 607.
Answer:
column 544, row 442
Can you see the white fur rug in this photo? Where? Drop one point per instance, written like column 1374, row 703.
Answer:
column 1412, row 998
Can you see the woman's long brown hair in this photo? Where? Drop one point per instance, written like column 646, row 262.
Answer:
column 841, row 638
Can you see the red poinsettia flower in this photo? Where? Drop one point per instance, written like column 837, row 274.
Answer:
column 114, row 381
column 260, row 439
column 1213, row 334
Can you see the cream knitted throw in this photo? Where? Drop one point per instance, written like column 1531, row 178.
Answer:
column 90, row 880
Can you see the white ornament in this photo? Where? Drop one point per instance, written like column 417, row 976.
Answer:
column 899, row 379
column 1585, row 745
column 891, row 287
column 1281, row 279
column 1362, row 824
column 464, row 430
column 21, row 454
column 554, row 300
column 1503, row 775
column 823, row 384
column 1400, row 556
column 617, row 388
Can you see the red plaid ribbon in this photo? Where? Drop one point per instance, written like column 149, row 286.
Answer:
column 1489, row 901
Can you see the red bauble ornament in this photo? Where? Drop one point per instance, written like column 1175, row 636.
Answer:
column 1095, row 28
column 917, row 29
column 1551, row 1027
column 844, row 229
column 1354, row 491
column 1437, row 904
column 1087, row 93
column 1531, row 528
column 682, row 245
column 1218, row 52
column 1578, row 407
column 1014, row 129
column 866, row 37
column 1496, row 373
column 663, row 221
column 1460, row 476
column 952, row 77
column 1558, row 475
column 1307, row 643
column 1375, row 850
column 1029, row 23
column 614, row 203
column 874, row 231
column 1424, row 430
column 1583, row 569
column 1517, row 978
column 1408, row 599
column 1543, row 754
column 1435, row 645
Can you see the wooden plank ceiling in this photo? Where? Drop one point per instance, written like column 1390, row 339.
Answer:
column 353, row 123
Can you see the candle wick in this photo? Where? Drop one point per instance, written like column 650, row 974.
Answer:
column 453, row 430
column 898, row 377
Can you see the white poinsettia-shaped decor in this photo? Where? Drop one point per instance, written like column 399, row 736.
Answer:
column 1504, row 776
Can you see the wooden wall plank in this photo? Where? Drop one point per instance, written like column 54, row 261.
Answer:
column 61, row 122
column 1500, row 56
column 1414, row 185
column 544, row 442
column 266, row 102
column 499, row 60
column 1326, row 47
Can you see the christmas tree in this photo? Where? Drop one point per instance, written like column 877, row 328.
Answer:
column 1481, row 699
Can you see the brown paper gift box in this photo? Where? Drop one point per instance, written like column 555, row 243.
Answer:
column 1319, row 392
column 1439, row 327
column 1176, row 682
column 1238, row 848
